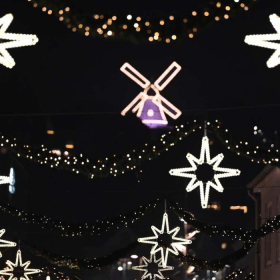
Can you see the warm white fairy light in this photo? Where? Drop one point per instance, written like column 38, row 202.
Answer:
column 5, row 243
column 145, row 268
column 13, row 41
column 189, row 172
column 18, row 263
column 159, row 248
column 268, row 41
column 139, row 101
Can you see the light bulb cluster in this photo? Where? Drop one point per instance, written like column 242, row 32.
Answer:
column 235, row 274
column 13, row 41
column 251, row 276
column 53, row 274
column 189, row 172
column 138, row 28
column 268, row 41
column 77, row 229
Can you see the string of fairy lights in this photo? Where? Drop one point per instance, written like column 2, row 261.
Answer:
column 80, row 229
column 121, row 164
column 142, row 28
column 235, row 274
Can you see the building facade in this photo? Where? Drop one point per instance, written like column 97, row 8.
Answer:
column 265, row 190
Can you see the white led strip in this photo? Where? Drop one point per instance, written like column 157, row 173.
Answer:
column 142, row 97
column 157, row 248
column 14, row 41
column 5, row 243
column 188, row 172
column 18, row 263
column 266, row 41
column 145, row 268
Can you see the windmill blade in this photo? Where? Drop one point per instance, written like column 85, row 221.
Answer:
column 138, row 98
column 173, row 65
column 134, row 75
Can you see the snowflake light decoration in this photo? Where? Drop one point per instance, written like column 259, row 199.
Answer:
column 190, row 172
column 5, row 243
column 156, row 240
column 267, row 41
column 14, row 41
column 151, row 109
column 27, row 271
column 152, row 274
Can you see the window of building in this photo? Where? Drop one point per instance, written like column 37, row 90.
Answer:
column 278, row 233
column 268, row 215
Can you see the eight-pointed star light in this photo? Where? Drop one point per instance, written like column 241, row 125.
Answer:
column 158, row 247
column 12, row 40
column 27, row 271
column 5, row 243
column 145, row 268
column 189, row 172
column 267, row 41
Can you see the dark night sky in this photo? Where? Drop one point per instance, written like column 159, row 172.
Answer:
column 69, row 73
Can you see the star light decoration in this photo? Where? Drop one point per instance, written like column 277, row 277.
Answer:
column 189, row 172
column 18, row 263
column 267, row 41
column 160, row 248
column 5, row 243
column 149, row 274
column 13, row 41
column 151, row 109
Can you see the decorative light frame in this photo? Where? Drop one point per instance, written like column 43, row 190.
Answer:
column 146, row 265
column 164, row 251
column 267, row 41
column 15, row 41
column 157, row 99
column 214, row 162
column 5, row 243
column 12, row 266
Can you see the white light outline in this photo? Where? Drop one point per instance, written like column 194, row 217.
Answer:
column 8, row 179
column 145, row 268
column 214, row 162
column 12, row 181
column 158, row 99
column 16, row 40
column 12, row 266
column 265, row 41
column 157, row 232
column 5, row 243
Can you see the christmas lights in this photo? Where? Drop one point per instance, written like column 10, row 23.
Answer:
column 79, row 229
column 5, row 243
column 12, row 188
column 151, row 109
column 190, row 172
column 268, row 41
column 152, row 275
column 162, row 28
column 14, row 41
column 160, row 245
column 18, row 263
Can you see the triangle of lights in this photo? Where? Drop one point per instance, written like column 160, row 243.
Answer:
column 18, row 263
column 189, row 172
column 5, row 243
column 14, row 41
column 145, row 268
column 267, row 41
column 157, row 247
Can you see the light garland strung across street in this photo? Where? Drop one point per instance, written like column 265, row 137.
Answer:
column 80, row 229
column 5, row 243
column 139, row 28
column 190, row 172
column 268, row 41
column 251, row 276
column 235, row 274
column 18, row 263
column 53, row 273
column 117, row 165
column 14, row 41
column 152, row 274
column 151, row 109
column 164, row 246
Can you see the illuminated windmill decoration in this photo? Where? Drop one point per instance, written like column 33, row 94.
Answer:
column 151, row 109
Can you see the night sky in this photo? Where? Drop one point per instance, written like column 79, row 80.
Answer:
column 73, row 84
